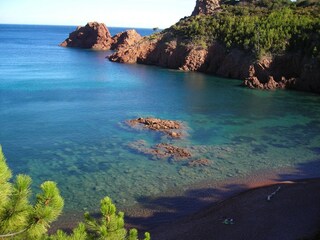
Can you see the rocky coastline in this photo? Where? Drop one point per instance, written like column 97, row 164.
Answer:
column 288, row 71
column 294, row 70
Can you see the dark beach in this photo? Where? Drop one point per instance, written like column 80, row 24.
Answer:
column 292, row 211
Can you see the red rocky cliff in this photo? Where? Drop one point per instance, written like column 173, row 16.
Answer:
column 293, row 71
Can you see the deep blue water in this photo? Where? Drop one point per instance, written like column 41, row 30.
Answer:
column 62, row 114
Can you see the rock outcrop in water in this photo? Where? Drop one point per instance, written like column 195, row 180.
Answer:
column 168, row 127
column 96, row 36
column 189, row 156
column 93, row 35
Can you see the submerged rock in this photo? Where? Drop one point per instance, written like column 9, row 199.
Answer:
column 164, row 150
column 203, row 162
column 161, row 150
column 93, row 35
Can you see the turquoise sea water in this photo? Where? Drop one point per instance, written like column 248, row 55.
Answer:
column 62, row 114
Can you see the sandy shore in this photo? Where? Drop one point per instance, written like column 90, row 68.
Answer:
column 293, row 212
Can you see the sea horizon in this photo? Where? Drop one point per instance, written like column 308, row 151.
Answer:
column 68, row 25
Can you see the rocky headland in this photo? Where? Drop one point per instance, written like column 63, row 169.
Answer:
column 171, row 49
column 96, row 36
column 93, row 35
column 202, row 43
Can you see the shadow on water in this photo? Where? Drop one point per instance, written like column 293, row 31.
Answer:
column 166, row 210
column 302, row 171
column 170, row 208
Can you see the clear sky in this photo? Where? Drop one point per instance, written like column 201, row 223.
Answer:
column 114, row 13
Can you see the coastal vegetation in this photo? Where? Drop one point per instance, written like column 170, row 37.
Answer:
column 261, row 27
column 19, row 219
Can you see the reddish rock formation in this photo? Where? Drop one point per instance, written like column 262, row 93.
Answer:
column 125, row 39
column 169, row 127
column 94, row 35
column 131, row 54
column 168, row 52
column 194, row 60
column 97, row 36
column 293, row 71
column 206, row 7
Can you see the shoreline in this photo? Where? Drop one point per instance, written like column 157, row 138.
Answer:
column 291, row 213
column 177, row 205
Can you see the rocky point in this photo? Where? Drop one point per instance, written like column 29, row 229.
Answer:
column 93, row 35
column 96, row 36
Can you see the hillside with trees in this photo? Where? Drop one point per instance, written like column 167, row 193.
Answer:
column 261, row 27
column 268, row 44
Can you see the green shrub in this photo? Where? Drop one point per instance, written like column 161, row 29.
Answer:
column 259, row 27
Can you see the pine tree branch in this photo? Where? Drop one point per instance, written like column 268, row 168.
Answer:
column 13, row 234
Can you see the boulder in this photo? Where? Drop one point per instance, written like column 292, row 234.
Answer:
column 133, row 53
column 125, row 39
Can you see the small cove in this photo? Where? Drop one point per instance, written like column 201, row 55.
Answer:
column 63, row 113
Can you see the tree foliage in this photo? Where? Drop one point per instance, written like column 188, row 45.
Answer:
column 265, row 26
column 17, row 215
column 19, row 219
